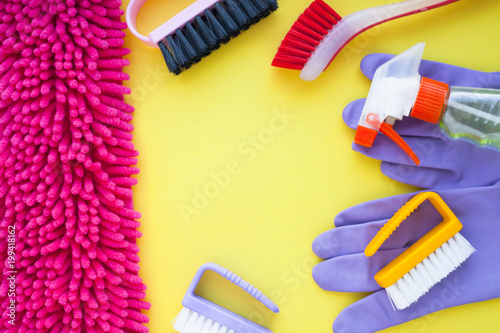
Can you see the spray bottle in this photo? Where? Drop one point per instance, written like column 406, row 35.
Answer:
column 398, row 91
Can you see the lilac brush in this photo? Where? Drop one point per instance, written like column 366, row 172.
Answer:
column 201, row 315
column 66, row 161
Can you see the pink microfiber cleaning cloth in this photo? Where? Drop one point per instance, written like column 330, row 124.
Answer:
column 68, row 234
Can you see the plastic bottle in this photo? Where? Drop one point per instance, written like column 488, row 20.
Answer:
column 473, row 114
column 398, row 91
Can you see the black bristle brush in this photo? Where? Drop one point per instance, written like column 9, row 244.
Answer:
column 200, row 28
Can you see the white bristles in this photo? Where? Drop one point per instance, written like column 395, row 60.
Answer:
column 189, row 321
column 430, row 271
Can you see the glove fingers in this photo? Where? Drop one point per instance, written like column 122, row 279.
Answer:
column 374, row 313
column 352, row 112
column 407, row 127
column 385, row 150
column 432, row 152
column 443, row 164
column 370, row 314
column 372, row 62
column 458, row 76
column 348, row 240
column 353, row 239
column 352, row 273
column 453, row 75
column 494, row 79
column 376, row 210
column 425, row 177
column 438, row 156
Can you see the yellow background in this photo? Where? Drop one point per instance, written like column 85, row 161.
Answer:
column 262, row 223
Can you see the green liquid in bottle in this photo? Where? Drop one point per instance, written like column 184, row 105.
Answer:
column 473, row 114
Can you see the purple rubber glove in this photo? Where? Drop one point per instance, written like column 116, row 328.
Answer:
column 445, row 163
column 347, row 269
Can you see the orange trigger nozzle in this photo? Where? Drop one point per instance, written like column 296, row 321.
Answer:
column 388, row 131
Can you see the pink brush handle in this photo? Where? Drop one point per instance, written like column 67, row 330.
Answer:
column 133, row 9
column 169, row 27
column 354, row 24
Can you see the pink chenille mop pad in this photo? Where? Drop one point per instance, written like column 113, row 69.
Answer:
column 68, row 232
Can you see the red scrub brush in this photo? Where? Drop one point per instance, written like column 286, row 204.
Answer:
column 320, row 33
column 68, row 231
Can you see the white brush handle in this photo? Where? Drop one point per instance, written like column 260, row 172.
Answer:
column 354, row 24
column 168, row 27
column 133, row 9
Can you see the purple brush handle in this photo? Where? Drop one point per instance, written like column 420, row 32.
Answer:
column 220, row 314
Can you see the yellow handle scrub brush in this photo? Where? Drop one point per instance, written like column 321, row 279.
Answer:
column 424, row 264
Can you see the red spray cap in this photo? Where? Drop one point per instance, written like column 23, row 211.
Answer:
column 431, row 100
column 429, row 105
column 366, row 136
column 398, row 91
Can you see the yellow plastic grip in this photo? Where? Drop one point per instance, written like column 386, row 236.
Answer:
column 416, row 253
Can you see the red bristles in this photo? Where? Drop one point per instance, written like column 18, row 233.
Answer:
column 298, row 34
column 295, row 51
column 329, row 10
column 309, row 27
column 305, row 35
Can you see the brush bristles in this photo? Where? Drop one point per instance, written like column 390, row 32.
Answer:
column 429, row 272
column 207, row 32
column 189, row 321
column 305, row 35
